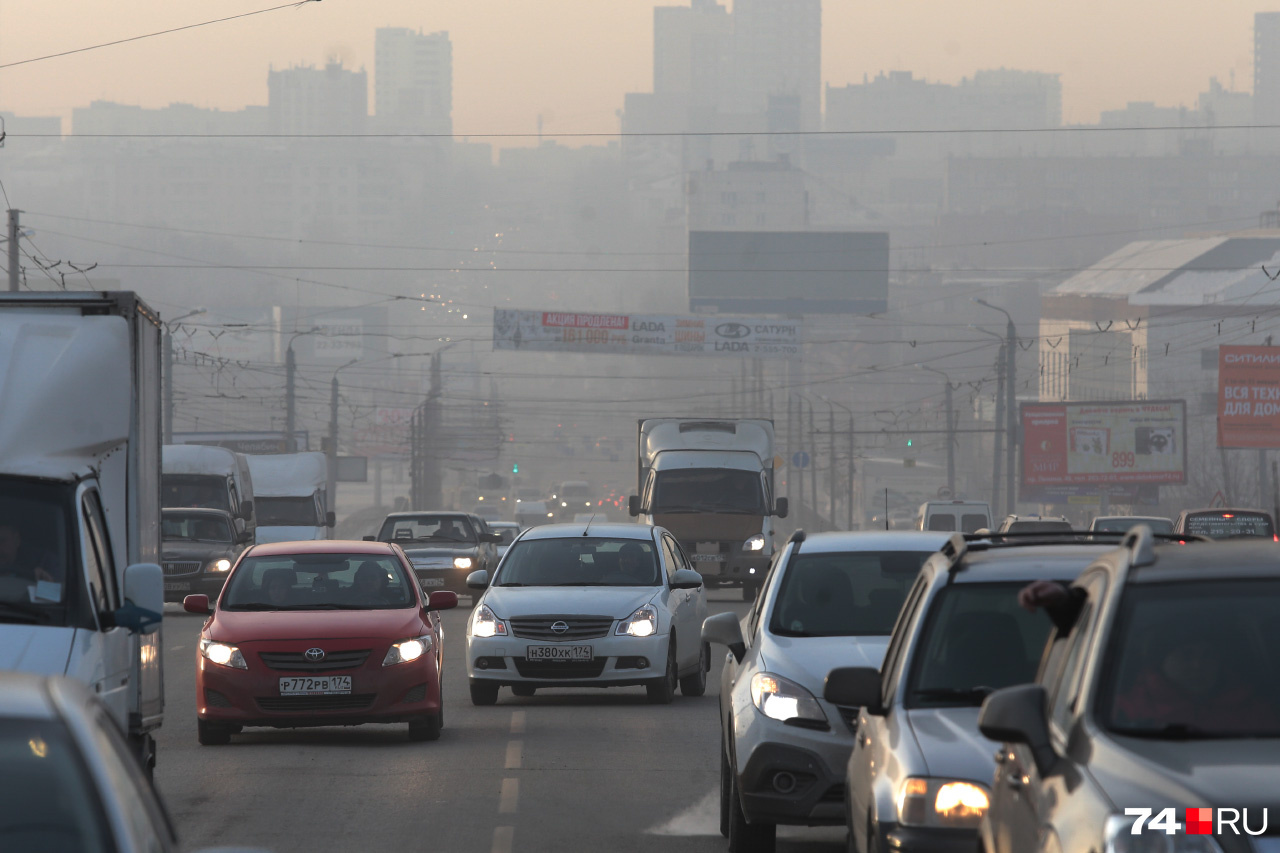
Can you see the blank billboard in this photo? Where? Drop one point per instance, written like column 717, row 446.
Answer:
column 789, row 272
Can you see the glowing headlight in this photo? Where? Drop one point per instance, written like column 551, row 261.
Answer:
column 588, row 503
column 222, row 654
column 960, row 802
column 220, row 565
column 755, row 543
column 462, row 562
column 407, row 651
column 485, row 624
column 955, row 803
column 642, row 623
column 782, row 699
column 562, row 503
column 1118, row 837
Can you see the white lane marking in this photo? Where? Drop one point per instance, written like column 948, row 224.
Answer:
column 510, row 796
column 517, row 722
column 703, row 818
column 176, row 648
column 503, row 837
column 515, row 753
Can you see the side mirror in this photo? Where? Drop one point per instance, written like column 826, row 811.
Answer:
column 246, row 510
column 478, row 579
column 781, row 507
column 856, row 687
column 369, row 538
column 330, row 519
column 1017, row 715
column 143, row 607
column 492, row 538
column 723, row 628
column 442, row 599
column 633, row 505
column 686, row 579
column 196, row 604
column 243, row 536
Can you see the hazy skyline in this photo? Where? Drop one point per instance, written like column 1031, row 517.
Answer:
column 572, row 60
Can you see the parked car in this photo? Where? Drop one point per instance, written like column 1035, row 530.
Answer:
column 443, row 547
column 1124, row 523
column 829, row 599
column 608, row 606
column 198, row 546
column 508, row 530
column 919, row 774
column 1158, row 700
column 320, row 633
column 1226, row 523
column 950, row 516
column 1034, row 524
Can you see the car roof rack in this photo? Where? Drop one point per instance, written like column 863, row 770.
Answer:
column 1140, row 543
column 798, row 536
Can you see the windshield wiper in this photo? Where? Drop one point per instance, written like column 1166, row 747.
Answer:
column 581, row 583
column 513, row 583
column 969, row 695
column 13, row 611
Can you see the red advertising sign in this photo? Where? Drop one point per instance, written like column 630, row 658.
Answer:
column 1104, row 443
column 1249, row 397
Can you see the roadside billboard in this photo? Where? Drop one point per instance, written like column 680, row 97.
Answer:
column 1087, row 448
column 1249, row 397
column 646, row 334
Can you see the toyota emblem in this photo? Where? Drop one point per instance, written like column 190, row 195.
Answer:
column 559, row 627
column 314, row 655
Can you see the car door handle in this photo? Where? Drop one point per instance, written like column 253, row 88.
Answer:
column 1014, row 781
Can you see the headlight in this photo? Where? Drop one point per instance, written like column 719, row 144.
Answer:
column 222, row 654
column 407, row 651
column 220, row 566
column 1119, row 838
column 941, row 802
column 562, row 503
column 588, row 503
column 642, row 623
column 485, row 624
column 782, row 699
column 462, row 562
column 755, row 543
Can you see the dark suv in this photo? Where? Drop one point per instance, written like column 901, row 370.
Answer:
column 1157, row 703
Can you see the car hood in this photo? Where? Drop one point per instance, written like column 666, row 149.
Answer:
column 1182, row 774
column 174, row 551
column 807, row 660
column 951, row 744
column 287, row 533
column 618, row 602
column 230, row 626
column 38, row 649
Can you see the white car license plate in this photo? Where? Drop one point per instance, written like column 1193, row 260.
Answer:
column 432, row 582
column 176, row 586
column 558, row 654
column 323, row 685
column 706, row 558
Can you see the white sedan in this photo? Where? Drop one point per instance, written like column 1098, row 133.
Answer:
column 589, row 605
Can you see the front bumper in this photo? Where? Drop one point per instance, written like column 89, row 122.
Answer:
column 178, row 587
column 811, row 760
column 434, row 578
column 616, row 662
column 920, row 839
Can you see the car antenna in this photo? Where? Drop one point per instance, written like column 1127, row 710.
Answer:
column 588, row 527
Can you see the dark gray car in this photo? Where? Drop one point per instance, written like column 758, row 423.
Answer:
column 199, row 548
column 443, row 547
column 1158, row 699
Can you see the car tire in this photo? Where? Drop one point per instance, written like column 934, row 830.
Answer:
column 696, row 684
column 523, row 689
column 210, row 734
column 726, row 787
column 662, row 690
column 748, row 837
column 483, row 693
column 426, row 728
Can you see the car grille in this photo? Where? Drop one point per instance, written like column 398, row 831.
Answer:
column 352, row 702
column 834, row 794
column 850, row 716
column 182, row 567
column 580, row 627
column 559, row 671
column 297, row 661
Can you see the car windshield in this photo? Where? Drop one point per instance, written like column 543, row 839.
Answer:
column 975, row 639
column 421, row 528
column 844, row 595
column 318, row 582
column 708, row 489
column 1230, row 525
column 195, row 490
column 580, row 561
column 1122, row 525
column 1039, row 526
column 34, row 544
column 195, row 527
column 287, row 512
column 1195, row 660
column 46, row 802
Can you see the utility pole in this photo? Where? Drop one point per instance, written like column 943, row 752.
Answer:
column 849, row 496
column 951, row 443
column 13, row 250
column 813, row 480
column 1011, row 416
column 331, row 491
column 168, row 386
column 998, row 436
column 831, row 465
column 290, row 365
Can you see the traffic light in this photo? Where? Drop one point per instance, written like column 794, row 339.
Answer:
column 515, row 467
column 910, row 442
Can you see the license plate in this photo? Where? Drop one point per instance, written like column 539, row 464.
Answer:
column 432, row 581
column 324, row 685
column 558, row 654
column 176, row 586
column 706, row 558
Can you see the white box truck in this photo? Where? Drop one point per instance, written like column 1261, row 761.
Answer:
column 198, row 475
column 289, row 496
column 710, row 482
column 81, row 591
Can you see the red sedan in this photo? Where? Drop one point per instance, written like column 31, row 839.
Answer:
column 323, row 633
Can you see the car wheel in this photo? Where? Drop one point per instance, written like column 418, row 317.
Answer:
column 662, row 690
column 873, row 840
column 483, row 693
column 427, row 728
column 212, row 735
column 726, row 787
column 747, row 837
column 523, row 689
column 696, row 684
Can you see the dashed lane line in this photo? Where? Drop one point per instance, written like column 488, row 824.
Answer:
column 503, row 836
column 515, row 754
column 510, row 796
column 517, row 722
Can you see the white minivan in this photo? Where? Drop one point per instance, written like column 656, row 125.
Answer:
column 952, row 516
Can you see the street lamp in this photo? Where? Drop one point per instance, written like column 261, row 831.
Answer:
column 168, row 371
column 951, row 428
column 331, row 493
column 997, row 441
column 1010, row 378
column 290, row 366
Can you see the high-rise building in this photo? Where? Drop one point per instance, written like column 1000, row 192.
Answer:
column 413, row 81
column 309, row 100
column 778, row 58
column 1266, row 68
column 691, row 50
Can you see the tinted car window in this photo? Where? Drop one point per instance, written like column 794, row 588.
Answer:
column 944, row 521
column 975, row 639
column 319, row 582
column 197, row 527
column 580, row 562
column 1194, row 660
column 1230, row 525
column 1122, row 525
column 1038, row 527
column 972, row 522
column 298, row 512
column 418, row 528
column 844, row 595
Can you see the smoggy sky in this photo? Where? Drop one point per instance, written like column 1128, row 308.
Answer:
column 572, row 60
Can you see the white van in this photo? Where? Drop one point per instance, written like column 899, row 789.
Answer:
column 291, row 496
column 961, row 516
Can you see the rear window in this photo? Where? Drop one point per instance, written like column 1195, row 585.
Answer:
column 973, row 522
column 1044, row 526
column 423, row 528
column 1122, row 525
column 1230, row 525
column 943, row 521
column 844, row 595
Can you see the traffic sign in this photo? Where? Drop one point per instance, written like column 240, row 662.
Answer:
column 800, row 459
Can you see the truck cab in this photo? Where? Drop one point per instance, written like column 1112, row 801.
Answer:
column 291, row 496
column 197, row 475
